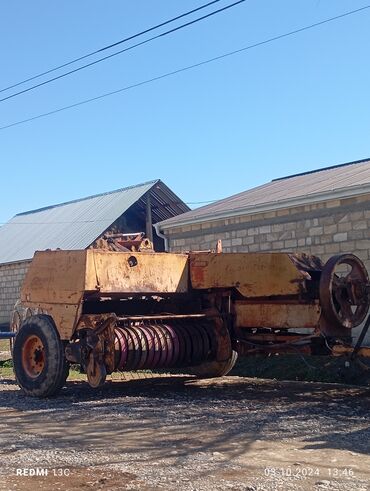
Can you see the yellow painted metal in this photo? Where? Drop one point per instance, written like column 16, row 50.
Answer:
column 56, row 281
column 280, row 315
column 252, row 274
column 124, row 272
column 339, row 350
column 55, row 277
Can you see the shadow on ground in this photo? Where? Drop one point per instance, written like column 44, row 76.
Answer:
column 181, row 416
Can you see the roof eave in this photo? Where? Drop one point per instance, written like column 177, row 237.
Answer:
column 18, row 261
column 271, row 206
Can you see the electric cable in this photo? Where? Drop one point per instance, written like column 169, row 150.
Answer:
column 75, row 60
column 166, row 33
column 189, row 67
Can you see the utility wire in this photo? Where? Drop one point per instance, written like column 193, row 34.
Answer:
column 109, row 46
column 201, row 202
column 166, row 33
column 190, row 67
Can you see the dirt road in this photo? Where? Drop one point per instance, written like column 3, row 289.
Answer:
column 176, row 433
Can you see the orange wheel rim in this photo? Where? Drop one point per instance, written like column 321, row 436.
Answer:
column 33, row 358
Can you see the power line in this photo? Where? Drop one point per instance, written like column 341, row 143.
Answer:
column 189, row 67
column 166, row 33
column 201, row 202
column 109, row 46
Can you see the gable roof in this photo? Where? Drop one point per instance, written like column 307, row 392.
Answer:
column 333, row 182
column 77, row 224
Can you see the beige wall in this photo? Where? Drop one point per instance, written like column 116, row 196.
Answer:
column 11, row 277
column 323, row 229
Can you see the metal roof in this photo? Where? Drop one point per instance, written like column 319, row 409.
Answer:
column 77, row 224
column 322, row 184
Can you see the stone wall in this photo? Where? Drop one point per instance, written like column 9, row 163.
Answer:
column 323, row 229
column 11, row 277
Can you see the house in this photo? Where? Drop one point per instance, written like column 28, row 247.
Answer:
column 323, row 212
column 79, row 224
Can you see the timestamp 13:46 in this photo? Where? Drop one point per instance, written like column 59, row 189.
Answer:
column 299, row 472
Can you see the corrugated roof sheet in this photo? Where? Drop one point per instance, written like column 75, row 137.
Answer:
column 77, row 224
column 310, row 184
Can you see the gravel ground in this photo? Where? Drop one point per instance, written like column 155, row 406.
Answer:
column 178, row 433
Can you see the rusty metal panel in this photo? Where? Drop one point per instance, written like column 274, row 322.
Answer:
column 252, row 274
column 55, row 277
column 65, row 317
column 286, row 315
column 55, row 283
column 57, row 280
column 340, row 350
column 121, row 272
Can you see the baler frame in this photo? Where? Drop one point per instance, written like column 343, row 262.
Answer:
column 143, row 310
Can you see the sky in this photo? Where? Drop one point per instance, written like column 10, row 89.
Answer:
column 294, row 105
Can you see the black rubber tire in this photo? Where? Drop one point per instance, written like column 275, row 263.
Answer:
column 65, row 374
column 56, row 368
column 213, row 369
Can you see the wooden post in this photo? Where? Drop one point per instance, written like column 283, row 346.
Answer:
column 149, row 225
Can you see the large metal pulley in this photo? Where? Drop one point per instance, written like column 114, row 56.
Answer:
column 344, row 291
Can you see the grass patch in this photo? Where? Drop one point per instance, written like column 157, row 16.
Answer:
column 6, row 371
column 280, row 367
column 305, row 368
column 4, row 345
column 6, row 364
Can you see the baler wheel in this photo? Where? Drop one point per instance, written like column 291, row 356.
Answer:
column 213, row 369
column 40, row 366
column 343, row 294
column 96, row 372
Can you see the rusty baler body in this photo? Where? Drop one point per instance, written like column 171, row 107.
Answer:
column 138, row 310
column 63, row 282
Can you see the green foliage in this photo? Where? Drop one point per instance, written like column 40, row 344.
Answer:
column 280, row 367
column 6, row 364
